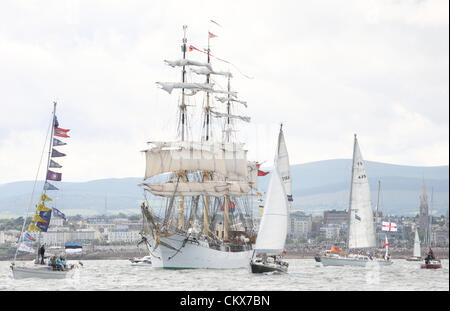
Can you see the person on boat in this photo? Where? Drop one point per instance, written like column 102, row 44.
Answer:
column 430, row 256
column 60, row 264
column 41, row 253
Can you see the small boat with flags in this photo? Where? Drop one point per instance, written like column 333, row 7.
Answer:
column 268, row 249
column 30, row 240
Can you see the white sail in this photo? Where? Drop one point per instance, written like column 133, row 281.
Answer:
column 361, row 229
column 283, row 165
column 232, row 116
column 273, row 228
column 251, row 179
column 416, row 245
column 226, row 99
column 187, row 62
column 224, row 158
column 169, row 86
column 208, row 71
column 209, row 188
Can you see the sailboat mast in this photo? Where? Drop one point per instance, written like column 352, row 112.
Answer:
column 206, row 175
column 183, row 79
column 377, row 220
column 207, row 109
column 430, row 219
column 351, row 187
column 183, row 117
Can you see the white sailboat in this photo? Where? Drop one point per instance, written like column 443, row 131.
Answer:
column 41, row 219
column 272, row 233
column 416, row 253
column 361, row 234
column 207, row 219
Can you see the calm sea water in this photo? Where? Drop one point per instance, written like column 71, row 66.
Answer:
column 304, row 275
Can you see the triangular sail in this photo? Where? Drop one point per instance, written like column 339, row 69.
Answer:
column 273, row 228
column 416, row 245
column 283, row 165
column 361, row 229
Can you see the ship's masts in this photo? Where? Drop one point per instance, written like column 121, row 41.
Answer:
column 183, row 121
column 181, row 215
column 207, row 109
column 228, row 111
column 206, row 209
column 226, row 218
column 206, row 175
column 183, row 79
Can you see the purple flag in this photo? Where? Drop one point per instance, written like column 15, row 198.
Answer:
column 56, row 153
column 57, row 142
column 53, row 175
column 54, row 164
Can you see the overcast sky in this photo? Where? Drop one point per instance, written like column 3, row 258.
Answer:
column 326, row 69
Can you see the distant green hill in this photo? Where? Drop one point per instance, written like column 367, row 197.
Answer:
column 317, row 186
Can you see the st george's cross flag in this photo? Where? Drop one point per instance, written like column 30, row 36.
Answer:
column 388, row 226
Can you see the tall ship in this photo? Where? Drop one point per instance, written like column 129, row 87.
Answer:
column 361, row 235
column 204, row 184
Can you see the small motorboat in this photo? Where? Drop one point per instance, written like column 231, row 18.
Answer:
column 144, row 261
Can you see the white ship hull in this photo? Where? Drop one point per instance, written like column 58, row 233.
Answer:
column 39, row 272
column 195, row 256
column 342, row 261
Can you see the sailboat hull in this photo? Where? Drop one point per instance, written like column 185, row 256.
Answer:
column 38, row 272
column 414, row 259
column 265, row 268
column 342, row 261
column 190, row 254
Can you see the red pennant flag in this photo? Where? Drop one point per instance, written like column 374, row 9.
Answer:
column 211, row 35
column 262, row 173
column 61, row 132
column 386, row 244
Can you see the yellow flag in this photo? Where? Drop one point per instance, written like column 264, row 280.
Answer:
column 33, row 227
column 45, row 198
column 260, row 212
column 42, row 208
column 38, row 218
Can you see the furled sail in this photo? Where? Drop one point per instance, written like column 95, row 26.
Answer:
column 208, row 71
column 187, row 62
column 232, row 116
column 223, row 158
column 226, row 99
column 251, row 178
column 273, row 228
column 283, row 165
column 169, row 86
column 416, row 245
column 192, row 188
column 361, row 229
